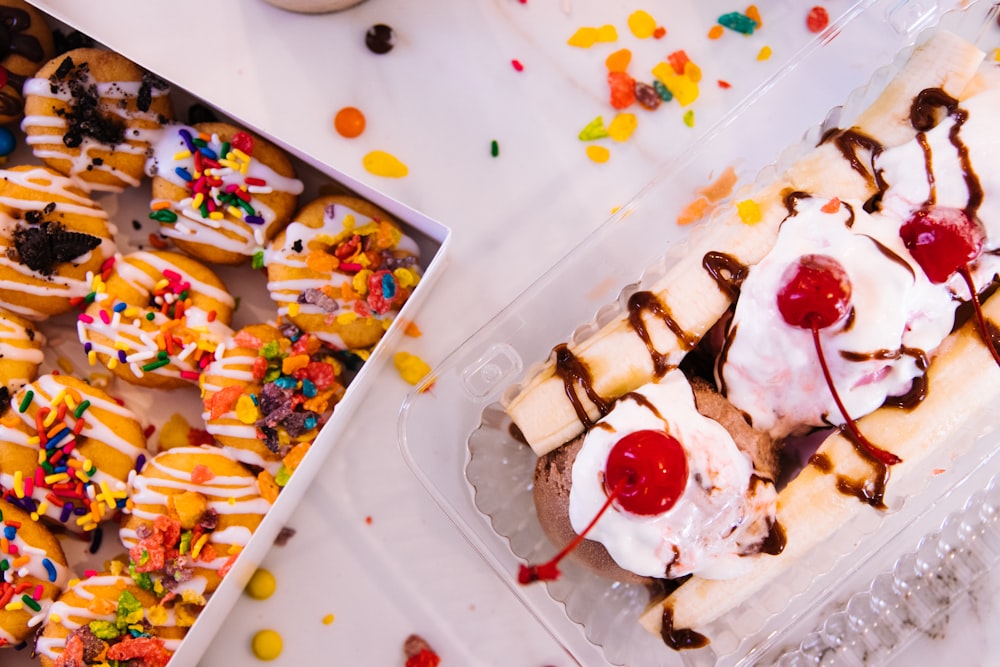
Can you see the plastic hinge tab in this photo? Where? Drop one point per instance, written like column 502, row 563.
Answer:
column 908, row 16
column 495, row 367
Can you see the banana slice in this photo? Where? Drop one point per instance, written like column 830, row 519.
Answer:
column 963, row 378
column 683, row 305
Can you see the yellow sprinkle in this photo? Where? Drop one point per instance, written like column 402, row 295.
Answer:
column 598, row 154
column 261, row 585
column 18, row 484
column 381, row 163
column 240, row 155
column 607, row 33
column 56, row 478
column 235, row 212
column 748, row 211
column 328, row 619
column 55, row 618
column 216, row 215
column 92, row 357
column 583, row 38
column 641, row 24
column 196, row 549
column 65, row 365
column 622, row 126
column 198, row 200
column 182, row 155
column 764, row 53
column 266, row 645
column 685, row 90
column 14, row 605
column 246, row 410
column 293, row 309
column 232, row 164
column 43, row 507
column 34, row 516
column 411, row 367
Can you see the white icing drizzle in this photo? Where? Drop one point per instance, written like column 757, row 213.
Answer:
column 111, row 94
column 136, row 335
column 230, row 234
column 229, row 495
column 33, row 568
column 73, row 617
column 17, row 346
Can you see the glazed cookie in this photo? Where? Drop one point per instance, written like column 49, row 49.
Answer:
column 32, row 573
column 342, row 270
column 110, row 619
column 66, row 451
column 52, row 238
column 271, row 390
column 26, row 45
column 190, row 513
column 20, row 353
column 92, row 114
column 157, row 319
column 219, row 192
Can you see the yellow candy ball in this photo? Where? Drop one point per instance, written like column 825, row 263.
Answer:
column 261, row 585
column 266, row 645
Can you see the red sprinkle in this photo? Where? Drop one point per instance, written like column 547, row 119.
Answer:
column 817, row 19
column 517, row 65
column 724, row 84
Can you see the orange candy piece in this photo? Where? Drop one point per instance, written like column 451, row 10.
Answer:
column 349, row 122
column 619, row 60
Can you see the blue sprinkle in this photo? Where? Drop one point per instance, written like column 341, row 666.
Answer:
column 97, row 536
column 183, row 173
column 50, row 569
column 186, row 136
column 9, row 532
column 58, row 437
column 67, row 510
column 122, row 357
column 80, row 511
column 119, row 307
column 254, row 220
column 209, row 153
column 88, row 346
column 388, row 286
column 140, row 462
column 7, row 141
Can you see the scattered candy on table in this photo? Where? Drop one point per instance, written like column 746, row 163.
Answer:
column 262, row 584
column 817, row 19
column 380, row 163
column 380, row 39
column 411, row 367
column 349, row 122
column 266, row 645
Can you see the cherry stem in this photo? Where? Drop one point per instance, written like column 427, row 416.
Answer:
column 549, row 571
column 879, row 454
column 987, row 339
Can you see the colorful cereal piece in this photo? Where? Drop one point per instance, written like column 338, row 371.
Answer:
column 583, row 38
column 817, row 19
column 738, row 22
column 411, row 367
column 622, row 90
column 349, row 122
column 683, row 88
column 618, row 61
column 598, row 154
column 622, row 126
column 641, row 24
column 593, row 130
column 380, row 163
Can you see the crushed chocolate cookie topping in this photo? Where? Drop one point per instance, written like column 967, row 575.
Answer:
column 284, row 535
column 33, row 217
column 149, row 83
column 84, row 118
column 297, row 246
column 41, row 247
column 4, row 399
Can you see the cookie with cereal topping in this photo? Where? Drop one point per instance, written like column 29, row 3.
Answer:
column 52, row 238
column 66, row 451
column 342, row 270
column 33, row 571
column 270, row 390
column 190, row 512
column 219, row 192
column 92, row 114
column 109, row 617
column 157, row 319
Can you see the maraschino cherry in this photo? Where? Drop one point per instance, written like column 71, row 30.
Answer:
column 816, row 294
column 945, row 241
column 645, row 474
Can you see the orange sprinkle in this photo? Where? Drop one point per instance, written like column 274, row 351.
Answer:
column 693, row 211
column 715, row 32
column 831, row 206
column 411, row 329
column 160, row 205
column 619, row 60
column 158, row 241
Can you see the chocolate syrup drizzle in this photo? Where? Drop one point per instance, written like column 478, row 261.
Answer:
column 644, row 302
column 574, row 373
column 679, row 638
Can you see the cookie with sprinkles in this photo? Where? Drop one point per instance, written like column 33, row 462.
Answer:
column 53, row 238
column 33, row 572
column 108, row 619
column 270, row 390
column 342, row 270
column 219, row 192
column 156, row 318
column 190, row 513
column 20, row 353
column 92, row 114
column 66, row 451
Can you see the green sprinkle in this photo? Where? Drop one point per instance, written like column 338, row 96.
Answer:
column 4, row 565
column 258, row 260
column 689, row 118
column 593, row 130
column 224, row 151
column 80, row 409
column 30, row 602
column 201, row 143
column 150, row 316
column 204, row 210
column 494, row 148
column 153, row 365
column 162, row 354
column 163, row 215
column 282, row 476
column 26, row 401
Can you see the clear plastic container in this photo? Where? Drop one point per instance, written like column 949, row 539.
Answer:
column 456, row 437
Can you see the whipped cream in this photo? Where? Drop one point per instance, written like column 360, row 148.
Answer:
column 725, row 512
column 770, row 369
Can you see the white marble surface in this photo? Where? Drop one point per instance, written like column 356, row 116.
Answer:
column 436, row 101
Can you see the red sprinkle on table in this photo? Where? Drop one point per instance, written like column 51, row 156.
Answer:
column 517, row 65
column 818, row 19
